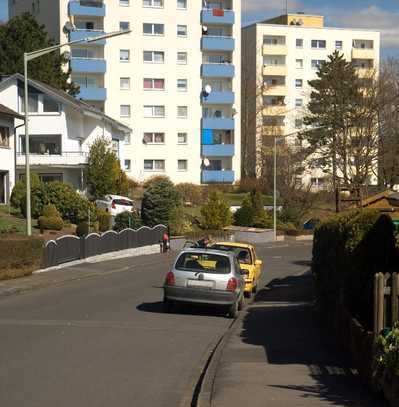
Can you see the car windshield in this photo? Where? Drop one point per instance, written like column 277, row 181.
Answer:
column 243, row 254
column 203, row 262
column 123, row 202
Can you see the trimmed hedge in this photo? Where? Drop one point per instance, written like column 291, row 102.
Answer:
column 348, row 249
column 126, row 220
column 19, row 255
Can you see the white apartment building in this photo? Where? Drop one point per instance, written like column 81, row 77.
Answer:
column 154, row 78
column 61, row 131
column 280, row 56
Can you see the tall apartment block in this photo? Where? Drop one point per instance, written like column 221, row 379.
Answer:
column 174, row 80
column 279, row 57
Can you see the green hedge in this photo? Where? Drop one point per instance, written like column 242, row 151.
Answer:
column 19, row 255
column 348, row 249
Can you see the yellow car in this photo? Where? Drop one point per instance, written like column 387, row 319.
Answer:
column 246, row 256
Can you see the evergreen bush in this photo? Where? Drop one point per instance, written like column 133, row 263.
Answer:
column 215, row 213
column 126, row 220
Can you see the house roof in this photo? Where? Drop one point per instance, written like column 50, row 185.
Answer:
column 67, row 99
column 8, row 112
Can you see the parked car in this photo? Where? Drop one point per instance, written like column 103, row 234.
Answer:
column 205, row 276
column 246, row 256
column 310, row 224
column 115, row 204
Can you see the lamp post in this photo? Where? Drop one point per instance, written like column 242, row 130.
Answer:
column 28, row 56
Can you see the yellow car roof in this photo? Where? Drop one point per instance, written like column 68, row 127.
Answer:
column 235, row 244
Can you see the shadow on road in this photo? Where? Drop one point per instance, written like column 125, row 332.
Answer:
column 284, row 321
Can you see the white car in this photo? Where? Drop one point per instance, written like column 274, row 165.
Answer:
column 115, row 204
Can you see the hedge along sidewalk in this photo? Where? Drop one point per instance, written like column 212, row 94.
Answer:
column 82, row 271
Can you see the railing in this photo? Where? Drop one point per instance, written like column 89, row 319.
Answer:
column 91, row 3
column 63, row 154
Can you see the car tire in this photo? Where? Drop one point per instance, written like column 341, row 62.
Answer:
column 167, row 306
column 233, row 310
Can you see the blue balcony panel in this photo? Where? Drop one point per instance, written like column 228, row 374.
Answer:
column 218, row 177
column 93, row 94
column 218, row 124
column 78, row 9
column 217, row 71
column 208, row 17
column 82, row 34
column 210, row 43
column 218, row 150
column 88, row 65
column 219, row 98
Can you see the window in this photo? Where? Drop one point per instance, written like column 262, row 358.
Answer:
column 298, row 123
column 124, row 3
column 124, row 83
column 181, row 138
column 154, row 165
column 298, row 83
column 320, row 44
column 182, row 4
column 182, row 165
column 127, row 139
column 42, row 144
column 182, row 112
column 33, row 103
column 338, row 44
column 50, row 105
column 124, row 55
column 154, row 111
column 82, row 53
column 298, row 102
column 153, row 29
column 152, row 83
column 299, row 63
column 182, row 31
column 316, row 63
column 153, row 3
column 125, row 110
column 182, row 85
column 128, row 165
column 124, row 25
column 299, row 43
column 154, row 57
column 4, row 136
column 182, row 58
column 154, row 138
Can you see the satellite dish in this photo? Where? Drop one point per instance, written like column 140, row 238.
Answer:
column 206, row 162
column 67, row 55
column 208, row 89
column 68, row 27
column 204, row 28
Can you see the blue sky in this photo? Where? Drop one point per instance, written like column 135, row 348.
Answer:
column 382, row 15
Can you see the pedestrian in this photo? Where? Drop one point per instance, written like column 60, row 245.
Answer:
column 165, row 243
column 204, row 242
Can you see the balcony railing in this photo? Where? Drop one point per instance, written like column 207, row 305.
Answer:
column 82, row 34
column 95, row 94
column 66, row 158
column 219, row 98
column 217, row 70
column 88, row 65
column 221, row 123
column 217, row 16
column 217, row 43
column 217, row 150
column 217, row 177
column 87, row 8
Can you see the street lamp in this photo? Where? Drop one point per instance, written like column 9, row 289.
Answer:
column 28, row 56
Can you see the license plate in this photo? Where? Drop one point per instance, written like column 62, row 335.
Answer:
column 200, row 283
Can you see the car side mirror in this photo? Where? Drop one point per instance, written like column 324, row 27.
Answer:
column 258, row 262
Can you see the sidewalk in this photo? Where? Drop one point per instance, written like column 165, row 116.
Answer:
column 278, row 356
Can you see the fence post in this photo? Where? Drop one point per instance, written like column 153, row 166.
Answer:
column 381, row 297
column 376, row 304
column 394, row 298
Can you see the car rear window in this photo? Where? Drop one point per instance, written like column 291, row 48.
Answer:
column 243, row 254
column 123, row 202
column 203, row 262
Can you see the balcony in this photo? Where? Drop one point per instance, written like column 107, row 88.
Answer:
column 88, row 65
column 217, row 71
column 219, row 98
column 83, row 34
column 217, row 150
column 275, row 110
column 87, row 8
column 93, row 94
column 210, row 43
column 363, row 53
column 275, row 70
column 275, row 90
column 218, row 177
column 364, row 72
column 69, row 159
column 217, row 16
column 218, row 123
column 280, row 49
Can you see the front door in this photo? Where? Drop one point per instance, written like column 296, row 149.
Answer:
column 3, row 187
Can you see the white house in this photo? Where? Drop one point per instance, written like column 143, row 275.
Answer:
column 61, row 130
column 7, row 152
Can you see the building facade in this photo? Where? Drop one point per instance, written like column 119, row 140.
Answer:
column 154, row 79
column 61, row 131
column 280, row 57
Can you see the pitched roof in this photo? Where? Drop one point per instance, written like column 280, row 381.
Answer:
column 67, row 99
column 8, row 112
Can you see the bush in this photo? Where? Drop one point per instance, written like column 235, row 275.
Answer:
column 180, row 223
column 23, row 255
column 249, row 184
column 192, row 193
column 252, row 212
column 82, row 229
column 244, row 215
column 159, row 199
column 52, row 223
column 104, row 220
column 215, row 213
column 50, row 211
column 126, row 220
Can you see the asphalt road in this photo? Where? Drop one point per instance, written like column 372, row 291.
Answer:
column 104, row 341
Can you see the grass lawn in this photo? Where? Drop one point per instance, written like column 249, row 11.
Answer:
column 14, row 222
column 235, row 199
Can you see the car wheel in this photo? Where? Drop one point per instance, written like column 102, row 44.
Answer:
column 233, row 310
column 167, row 305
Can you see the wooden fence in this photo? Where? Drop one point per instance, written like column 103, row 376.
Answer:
column 386, row 300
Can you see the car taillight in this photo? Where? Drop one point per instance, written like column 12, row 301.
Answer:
column 232, row 284
column 113, row 206
column 170, row 279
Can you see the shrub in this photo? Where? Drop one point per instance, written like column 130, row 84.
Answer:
column 180, row 223
column 104, row 220
column 50, row 211
column 159, row 199
column 50, row 223
column 82, row 229
column 252, row 212
column 215, row 213
column 156, row 179
column 126, row 220
column 191, row 193
column 23, row 255
column 244, row 215
column 249, row 184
